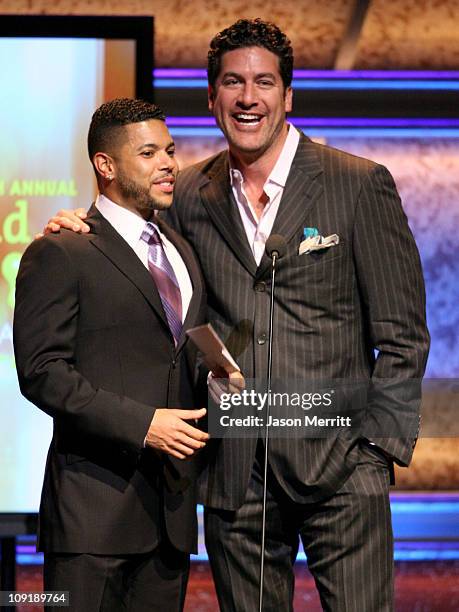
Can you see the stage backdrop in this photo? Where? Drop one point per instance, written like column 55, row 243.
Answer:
column 50, row 88
column 49, row 91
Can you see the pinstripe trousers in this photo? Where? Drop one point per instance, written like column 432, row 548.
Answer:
column 347, row 538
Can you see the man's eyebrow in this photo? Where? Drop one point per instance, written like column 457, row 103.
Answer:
column 262, row 75
column 148, row 145
column 257, row 76
column 154, row 146
column 233, row 74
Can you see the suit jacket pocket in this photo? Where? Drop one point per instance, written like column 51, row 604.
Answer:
column 372, row 453
column 72, row 458
column 322, row 257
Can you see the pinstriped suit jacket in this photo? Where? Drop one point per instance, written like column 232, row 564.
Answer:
column 332, row 312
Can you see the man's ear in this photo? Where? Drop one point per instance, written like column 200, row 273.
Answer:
column 104, row 166
column 288, row 100
column 210, row 97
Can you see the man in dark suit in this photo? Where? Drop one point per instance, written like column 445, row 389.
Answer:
column 351, row 312
column 100, row 346
column 334, row 308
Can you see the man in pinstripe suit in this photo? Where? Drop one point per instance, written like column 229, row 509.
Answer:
column 335, row 311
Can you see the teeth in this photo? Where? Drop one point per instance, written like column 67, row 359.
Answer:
column 247, row 117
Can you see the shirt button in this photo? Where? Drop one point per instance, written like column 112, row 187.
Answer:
column 260, row 287
column 261, row 339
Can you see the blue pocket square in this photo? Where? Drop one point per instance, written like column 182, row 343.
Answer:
column 310, row 232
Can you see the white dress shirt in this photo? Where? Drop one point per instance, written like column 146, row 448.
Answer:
column 258, row 230
column 130, row 227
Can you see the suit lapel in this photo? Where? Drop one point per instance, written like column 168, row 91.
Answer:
column 115, row 248
column 301, row 192
column 217, row 197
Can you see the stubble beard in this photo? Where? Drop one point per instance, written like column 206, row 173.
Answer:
column 252, row 151
column 132, row 191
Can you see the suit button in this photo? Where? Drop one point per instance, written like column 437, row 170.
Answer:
column 173, row 363
column 260, row 287
column 261, row 339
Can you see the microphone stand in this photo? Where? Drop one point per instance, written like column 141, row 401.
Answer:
column 275, row 256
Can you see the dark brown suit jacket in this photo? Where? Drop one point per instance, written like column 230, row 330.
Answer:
column 94, row 351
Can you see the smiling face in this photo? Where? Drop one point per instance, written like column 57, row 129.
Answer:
column 249, row 102
column 143, row 168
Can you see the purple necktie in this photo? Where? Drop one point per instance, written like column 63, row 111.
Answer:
column 165, row 279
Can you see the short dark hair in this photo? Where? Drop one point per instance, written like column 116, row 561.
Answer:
column 111, row 116
column 251, row 33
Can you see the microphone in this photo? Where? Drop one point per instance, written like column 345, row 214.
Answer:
column 276, row 246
